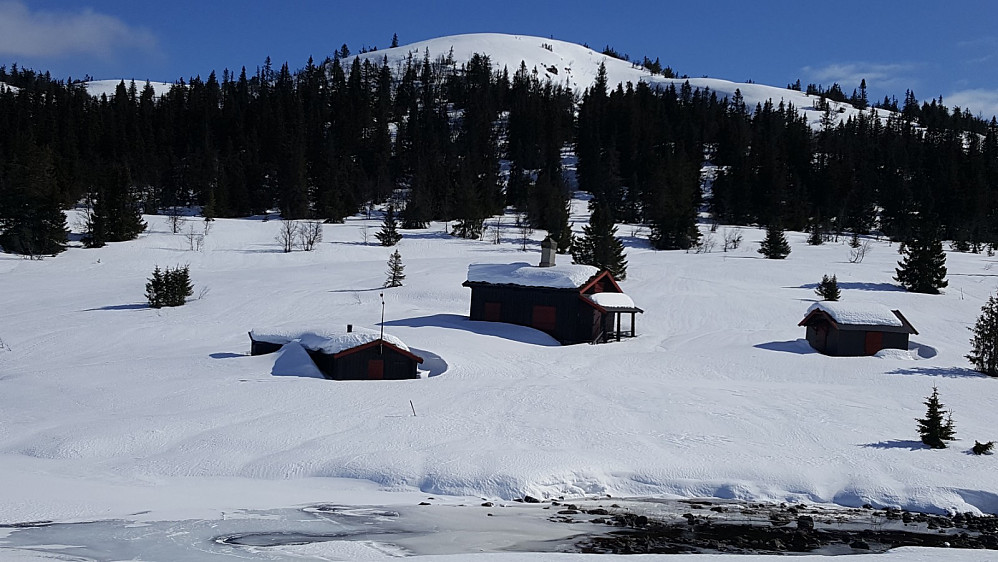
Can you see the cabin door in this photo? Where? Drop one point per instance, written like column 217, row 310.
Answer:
column 375, row 369
column 874, row 342
column 544, row 318
column 821, row 336
column 493, row 312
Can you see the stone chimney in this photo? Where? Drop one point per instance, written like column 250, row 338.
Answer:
column 548, row 249
column 349, row 328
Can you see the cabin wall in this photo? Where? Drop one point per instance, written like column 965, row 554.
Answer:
column 354, row 366
column 823, row 337
column 851, row 343
column 517, row 306
column 263, row 348
column 896, row 340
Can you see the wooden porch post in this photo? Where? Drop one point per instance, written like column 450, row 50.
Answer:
column 633, row 316
column 617, row 316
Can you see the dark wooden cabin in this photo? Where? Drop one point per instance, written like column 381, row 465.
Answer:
column 573, row 303
column 355, row 355
column 851, row 330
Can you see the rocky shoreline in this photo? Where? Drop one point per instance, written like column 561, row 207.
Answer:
column 724, row 526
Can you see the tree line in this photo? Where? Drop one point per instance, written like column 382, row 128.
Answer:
column 437, row 140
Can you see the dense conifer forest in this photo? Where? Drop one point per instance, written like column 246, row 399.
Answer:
column 460, row 143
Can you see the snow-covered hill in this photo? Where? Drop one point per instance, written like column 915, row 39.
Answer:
column 576, row 66
column 97, row 88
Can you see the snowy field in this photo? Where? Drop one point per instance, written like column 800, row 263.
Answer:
column 113, row 410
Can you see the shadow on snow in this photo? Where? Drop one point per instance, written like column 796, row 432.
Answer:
column 951, row 372
column 897, row 444
column 857, row 286
column 120, row 307
column 433, row 364
column 510, row 332
column 798, row 346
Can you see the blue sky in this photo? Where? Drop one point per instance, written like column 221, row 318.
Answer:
column 933, row 48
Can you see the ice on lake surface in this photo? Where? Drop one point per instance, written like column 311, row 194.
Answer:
column 604, row 526
column 274, row 534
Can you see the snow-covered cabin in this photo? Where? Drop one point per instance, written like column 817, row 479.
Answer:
column 854, row 329
column 351, row 355
column 572, row 303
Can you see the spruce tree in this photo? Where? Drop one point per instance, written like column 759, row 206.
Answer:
column 984, row 354
column 775, row 245
column 937, row 426
column 31, row 220
column 599, row 245
column 156, row 289
column 389, row 234
column 169, row 287
column 395, row 270
column 922, row 268
column 828, row 289
column 816, row 237
column 179, row 287
column 114, row 214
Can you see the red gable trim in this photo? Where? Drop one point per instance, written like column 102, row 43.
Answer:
column 905, row 321
column 367, row 345
column 596, row 279
column 818, row 313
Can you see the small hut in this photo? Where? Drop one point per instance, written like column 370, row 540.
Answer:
column 572, row 303
column 351, row 355
column 855, row 329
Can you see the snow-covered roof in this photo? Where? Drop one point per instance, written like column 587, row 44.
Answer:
column 612, row 300
column 526, row 275
column 865, row 314
column 325, row 341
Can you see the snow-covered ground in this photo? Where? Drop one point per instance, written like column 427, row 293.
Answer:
column 111, row 409
column 576, row 66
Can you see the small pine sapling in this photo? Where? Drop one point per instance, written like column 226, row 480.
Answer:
column 156, row 289
column 828, row 289
column 170, row 287
column 816, row 237
column 983, row 448
column 389, row 234
column 395, row 270
column 936, row 428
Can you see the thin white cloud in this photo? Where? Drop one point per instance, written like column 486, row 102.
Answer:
column 980, row 102
column 849, row 75
column 986, row 42
column 24, row 32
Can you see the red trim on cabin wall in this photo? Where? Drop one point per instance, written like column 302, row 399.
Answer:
column 367, row 345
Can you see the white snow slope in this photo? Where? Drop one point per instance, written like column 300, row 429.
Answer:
column 108, row 407
column 97, row 88
column 576, row 66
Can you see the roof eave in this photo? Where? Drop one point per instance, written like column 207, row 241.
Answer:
column 367, row 345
